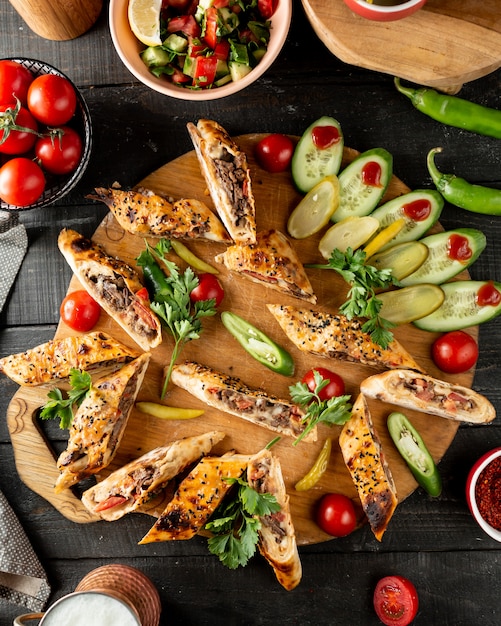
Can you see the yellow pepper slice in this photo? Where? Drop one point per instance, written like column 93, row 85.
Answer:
column 184, row 253
column 383, row 237
column 167, row 412
column 318, row 468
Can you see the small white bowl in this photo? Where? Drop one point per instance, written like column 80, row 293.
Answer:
column 128, row 48
column 471, row 483
column 384, row 13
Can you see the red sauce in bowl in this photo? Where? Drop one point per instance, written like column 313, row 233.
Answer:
column 488, row 493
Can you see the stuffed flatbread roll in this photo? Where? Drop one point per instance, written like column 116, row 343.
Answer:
column 148, row 214
column 131, row 486
column 54, row 359
column 337, row 337
column 410, row 390
column 271, row 261
column 197, row 497
column 226, row 172
column 365, row 460
column 277, row 537
column 114, row 285
column 231, row 395
column 99, row 424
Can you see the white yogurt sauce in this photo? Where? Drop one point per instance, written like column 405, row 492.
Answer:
column 87, row 608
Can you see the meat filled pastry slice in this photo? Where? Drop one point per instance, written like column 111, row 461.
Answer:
column 99, row 424
column 272, row 262
column 365, row 460
column 54, row 359
column 277, row 537
column 131, row 486
column 411, row 390
column 114, row 285
column 226, row 172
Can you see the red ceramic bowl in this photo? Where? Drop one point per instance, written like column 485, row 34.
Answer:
column 384, row 13
column 471, row 483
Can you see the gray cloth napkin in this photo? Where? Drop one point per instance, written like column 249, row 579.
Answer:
column 22, row 578
column 13, row 246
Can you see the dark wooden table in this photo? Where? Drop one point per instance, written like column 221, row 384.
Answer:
column 435, row 542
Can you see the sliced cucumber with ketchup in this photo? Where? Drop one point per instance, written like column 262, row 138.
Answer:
column 363, row 183
column 420, row 209
column 318, row 153
column 466, row 303
column 450, row 252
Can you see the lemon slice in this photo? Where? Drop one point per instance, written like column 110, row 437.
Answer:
column 352, row 232
column 384, row 237
column 144, row 20
column 315, row 209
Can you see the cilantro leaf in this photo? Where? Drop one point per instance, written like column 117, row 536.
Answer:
column 60, row 407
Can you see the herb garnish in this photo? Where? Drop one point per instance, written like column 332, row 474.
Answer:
column 62, row 408
column 336, row 410
column 362, row 300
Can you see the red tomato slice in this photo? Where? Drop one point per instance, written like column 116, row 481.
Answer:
column 222, row 50
column 205, row 71
column 395, row 601
column 267, row 7
column 184, row 24
column 109, row 503
column 210, row 30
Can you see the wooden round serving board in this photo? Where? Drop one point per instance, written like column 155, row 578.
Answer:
column 443, row 45
column 275, row 199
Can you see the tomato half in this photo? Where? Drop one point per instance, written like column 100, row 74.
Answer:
column 332, row 390
column 15, row 80
column 52, row 99
column 22, row 182
column 274, row 152
column 455, row 352
column 335, row 515
column 60, row 153
column 17, row 141
column 80, row 311
column 208, row 288
column 395, row 601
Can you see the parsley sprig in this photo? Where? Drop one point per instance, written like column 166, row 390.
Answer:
column 335, row 410
column 60, row 407
column 235, row 524
column 362, row 300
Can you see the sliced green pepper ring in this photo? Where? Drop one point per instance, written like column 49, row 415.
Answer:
column 415, row 453
column 258, row 345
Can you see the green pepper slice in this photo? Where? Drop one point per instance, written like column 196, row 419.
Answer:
column 415, row 453
column 258, row 345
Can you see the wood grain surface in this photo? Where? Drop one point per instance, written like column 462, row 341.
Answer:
column 443, row 45
column 275, row 199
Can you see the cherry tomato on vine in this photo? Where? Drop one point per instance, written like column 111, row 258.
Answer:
column 335, row 515
column 80, row 311
column 60, row 153
column 333, row 389
column 455, row 352
column 17, row 141
column 15, row 80
column 22, row 181
column 208, row 288
column 274, row 153
column 395, row 601
column 52, row 99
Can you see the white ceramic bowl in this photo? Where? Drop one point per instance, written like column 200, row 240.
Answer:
column 471, row 483
column 385, row 13
column 128, row 48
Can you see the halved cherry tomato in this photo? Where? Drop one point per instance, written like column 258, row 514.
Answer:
column 17, row 141
column 335, row 387
column 267, row 7
column 80, row 311
column 208, row 288
column 15, row 80
column 336, row 515
column 60, row 153
column 395, row 601
column 274, row 152
column 52, row 99
column 455, row 352
column 22, row 182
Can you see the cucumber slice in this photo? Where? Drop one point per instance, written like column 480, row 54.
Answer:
column 315, row 210
column 309, row 163
column 402, row 306
column 420, row 209
column 402, row 259
column 357, row 197
column 460, row 308
column 439, row 267
column 352, row 233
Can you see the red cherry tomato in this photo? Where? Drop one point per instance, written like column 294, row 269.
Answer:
column 267, row 8
column 60, row 153
column 455, row 352
column 274, row 152
column 333, row 389
column 80, row 311
column 52, row 99
column 208, row 288
column 17, row 141
column 15, row 80
column 336, row 515
column 395, row 601
column 22, row 182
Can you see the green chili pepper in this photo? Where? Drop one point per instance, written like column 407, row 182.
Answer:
column 258, row 345
column 454, row 111
column 415, row 453
column 154, row 277
column 461, row 193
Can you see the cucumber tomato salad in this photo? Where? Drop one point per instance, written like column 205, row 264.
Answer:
column 209, row 43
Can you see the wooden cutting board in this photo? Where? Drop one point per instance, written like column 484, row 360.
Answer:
column 275, row 199
column 443, row 45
